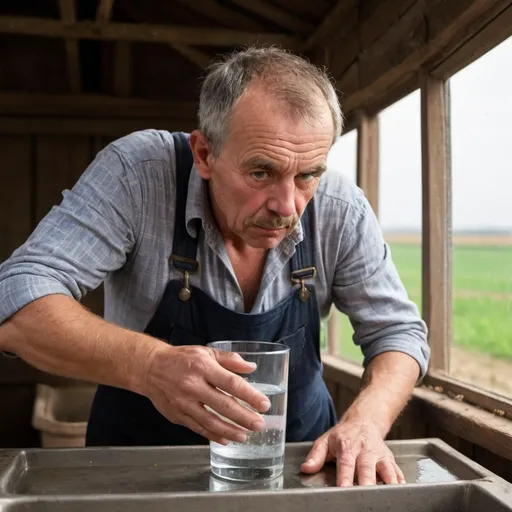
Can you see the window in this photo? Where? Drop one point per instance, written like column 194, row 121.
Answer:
column 400, row 189
column 342, row 158
column 481, row 148
column 343, row 155
column 467, row 204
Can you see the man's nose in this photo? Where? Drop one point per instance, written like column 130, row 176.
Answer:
column 282, row 201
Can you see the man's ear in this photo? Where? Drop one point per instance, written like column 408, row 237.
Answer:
column 202, row 151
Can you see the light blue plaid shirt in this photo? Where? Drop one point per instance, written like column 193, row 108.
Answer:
column 116, row 226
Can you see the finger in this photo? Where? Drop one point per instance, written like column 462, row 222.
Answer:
column 399, row 473
column 215, row 424
column 233, row 361
column 236, row 386
column 345, row 465
column 231, row 410
column 366, row 469
column 387, row 471
column 316, row 456
column 192, row 424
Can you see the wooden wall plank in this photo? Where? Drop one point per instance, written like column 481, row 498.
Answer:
column 123, row 82
column 15, row 192
column 332, row 387
column 492, row 462
column 60, row 162
column 107, row 127
column 99, row 106
column 434, row 430
column 411, row 422
column 345, row 397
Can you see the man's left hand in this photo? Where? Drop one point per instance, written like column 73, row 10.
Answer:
column 360, row 453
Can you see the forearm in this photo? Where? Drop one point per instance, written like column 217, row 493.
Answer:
column 387, row 385
column 57, row 335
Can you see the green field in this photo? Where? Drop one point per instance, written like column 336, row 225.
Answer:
column 482, row 297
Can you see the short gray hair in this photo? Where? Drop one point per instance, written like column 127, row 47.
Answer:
column 293, row 79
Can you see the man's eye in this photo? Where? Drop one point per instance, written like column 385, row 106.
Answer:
column 308, row 176
column 259, row 175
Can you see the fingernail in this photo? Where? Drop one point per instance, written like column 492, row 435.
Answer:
column 264, row 405
column 240, row 438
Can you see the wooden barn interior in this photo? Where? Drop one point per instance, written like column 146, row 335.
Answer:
column 75, row 75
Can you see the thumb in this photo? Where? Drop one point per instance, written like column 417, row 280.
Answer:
column 233, row 361
column 316, row 457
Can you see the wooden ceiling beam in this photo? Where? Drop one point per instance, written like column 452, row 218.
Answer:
column 446, row 41
column 195, row 56
column 147, row 33
column 68, row 15
column 223, row 15
column 335, row 20
column 91, row 105
column 122, row 83
column 276, row 14
column 104, row 11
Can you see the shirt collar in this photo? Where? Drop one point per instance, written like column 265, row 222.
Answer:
column 198, row 209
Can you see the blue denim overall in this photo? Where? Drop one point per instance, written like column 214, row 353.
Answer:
column 187, row 316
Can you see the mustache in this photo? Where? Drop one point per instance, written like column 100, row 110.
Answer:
column 273, row 223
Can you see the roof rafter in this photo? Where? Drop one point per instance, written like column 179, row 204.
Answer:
column 276, row 14
column 332, row 21
column 195, row 56
column 114, row 31
column 224, row 15
column 123, row 56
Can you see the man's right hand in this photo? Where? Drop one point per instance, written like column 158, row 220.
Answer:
column 182, row 380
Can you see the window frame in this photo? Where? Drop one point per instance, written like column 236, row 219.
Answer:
column 436, row 215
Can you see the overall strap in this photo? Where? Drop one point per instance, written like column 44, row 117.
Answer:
column 184, row 246
column 302, row 263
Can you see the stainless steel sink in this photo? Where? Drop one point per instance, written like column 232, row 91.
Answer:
column 464, row 497
column 439, row 479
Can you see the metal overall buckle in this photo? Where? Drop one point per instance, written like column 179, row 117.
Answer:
column 299, row 276
column 186, row 266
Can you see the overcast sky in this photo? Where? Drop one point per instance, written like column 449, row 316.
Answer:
column 481, row 133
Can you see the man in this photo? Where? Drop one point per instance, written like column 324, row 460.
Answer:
column 233, row 232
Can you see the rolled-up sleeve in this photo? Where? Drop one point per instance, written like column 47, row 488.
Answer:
column 368, row 289
column 73, row 248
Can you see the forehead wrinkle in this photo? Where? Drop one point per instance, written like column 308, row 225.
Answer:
column 262, row 163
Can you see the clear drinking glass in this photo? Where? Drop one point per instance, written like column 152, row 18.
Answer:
column 262, row 455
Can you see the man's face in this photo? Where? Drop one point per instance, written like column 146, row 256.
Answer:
column 268, row 169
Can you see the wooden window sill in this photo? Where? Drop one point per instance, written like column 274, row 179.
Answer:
column 467, row 421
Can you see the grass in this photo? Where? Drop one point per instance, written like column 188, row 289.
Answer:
column 482, row 297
